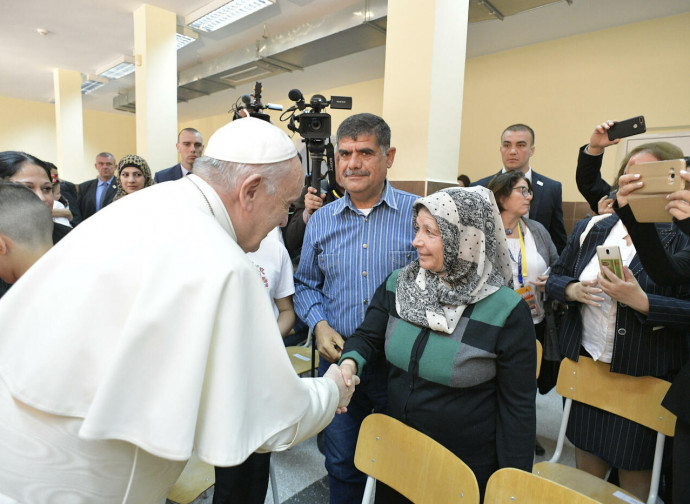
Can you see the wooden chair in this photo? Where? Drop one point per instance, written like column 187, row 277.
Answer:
column 513, row 486
column 635, row 398
column 412, row 463
column 196, row 478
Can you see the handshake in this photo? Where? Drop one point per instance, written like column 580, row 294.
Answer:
column 346, row 379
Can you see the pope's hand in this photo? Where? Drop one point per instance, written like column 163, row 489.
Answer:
column 345, row 391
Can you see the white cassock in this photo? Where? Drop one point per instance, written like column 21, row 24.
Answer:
column 146, row 334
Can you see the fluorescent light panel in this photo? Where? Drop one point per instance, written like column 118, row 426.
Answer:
column 221, row 13
column 122, row 66
column 90, row 83
column 185, row 36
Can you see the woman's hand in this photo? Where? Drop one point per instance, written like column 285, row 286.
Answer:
column 346, row 387
column 540, row 282
column 627, row 184
column 600, row 138
column 584, row 292
column 626, row 291
column 605, row 205
column 679, row 201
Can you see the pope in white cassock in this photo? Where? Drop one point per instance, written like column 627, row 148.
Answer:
column 147, row 334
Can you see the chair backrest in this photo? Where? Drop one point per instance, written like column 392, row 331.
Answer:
column 539, row 352
column 637, row 398
column 412, row 463
column 513, row 486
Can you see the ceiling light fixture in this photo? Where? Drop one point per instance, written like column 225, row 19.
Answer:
column 90, row 83
column 185, row 36
column 124, row 65
column 221, row 13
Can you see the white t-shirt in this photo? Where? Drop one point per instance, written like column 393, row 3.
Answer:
column 60, row 220
column 272, row 260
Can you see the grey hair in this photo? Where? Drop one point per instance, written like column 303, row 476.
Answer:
column 366, row 124
column 24, row 217
column 228, row 174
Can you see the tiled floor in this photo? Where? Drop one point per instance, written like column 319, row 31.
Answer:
column 301, row 476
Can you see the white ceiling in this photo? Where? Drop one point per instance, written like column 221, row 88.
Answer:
column 85, row 35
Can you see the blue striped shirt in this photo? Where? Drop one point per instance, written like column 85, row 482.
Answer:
column 347, row 255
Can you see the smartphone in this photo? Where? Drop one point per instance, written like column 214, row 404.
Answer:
column 610, row 257
column 660, row 178
column 629, row 127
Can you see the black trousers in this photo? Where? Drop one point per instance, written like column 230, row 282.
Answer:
column 243, row 484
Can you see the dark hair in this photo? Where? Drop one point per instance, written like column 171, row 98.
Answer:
column 663, row 151
column 191, row 130
column 13, row 161
column 465, row 180
column 23, row 216
column 502, row 185
column 519, row 127
column 366, row 124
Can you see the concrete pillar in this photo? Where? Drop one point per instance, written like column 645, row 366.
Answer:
column 69, row 126
column 156, row 85
column 422, row 92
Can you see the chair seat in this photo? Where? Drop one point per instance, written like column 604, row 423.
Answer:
column 300, row 357
column 585, row 483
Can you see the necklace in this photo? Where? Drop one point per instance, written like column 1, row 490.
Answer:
column 509, row 231
column 203, row 195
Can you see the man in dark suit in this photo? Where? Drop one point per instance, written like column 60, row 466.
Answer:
column 517, row 147
column 190, row 145
column 99, row 192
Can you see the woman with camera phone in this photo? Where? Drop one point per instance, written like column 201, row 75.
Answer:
column 627, row 323
column 667, row 269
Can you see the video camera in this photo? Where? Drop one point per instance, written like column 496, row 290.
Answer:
column 314, row 126
column 253, row 106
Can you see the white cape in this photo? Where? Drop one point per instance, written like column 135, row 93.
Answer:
column 149, row 323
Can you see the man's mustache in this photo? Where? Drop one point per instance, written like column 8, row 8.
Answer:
column 362, row 173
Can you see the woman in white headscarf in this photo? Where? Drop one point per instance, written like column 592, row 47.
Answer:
column 458, row 340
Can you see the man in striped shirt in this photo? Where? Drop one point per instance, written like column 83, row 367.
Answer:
column 350, row 247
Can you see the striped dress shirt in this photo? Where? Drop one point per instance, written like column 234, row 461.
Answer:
column 346, row 255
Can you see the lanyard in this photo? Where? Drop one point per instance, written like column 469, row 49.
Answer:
column 522, row 258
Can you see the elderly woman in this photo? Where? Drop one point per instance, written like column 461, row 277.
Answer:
column 133, row 174
column 632, row 324
column 458, row 340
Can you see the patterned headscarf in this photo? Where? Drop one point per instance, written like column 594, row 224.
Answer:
column 475, row 257
column 132, row 160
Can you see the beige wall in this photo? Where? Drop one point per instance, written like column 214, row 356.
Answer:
column 565, row 87
column 30, row 126
column 366, row 97
column 561, row 88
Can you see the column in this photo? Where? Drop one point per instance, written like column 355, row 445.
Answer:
column 69, row 126
column 423, row 88
column 156, row 85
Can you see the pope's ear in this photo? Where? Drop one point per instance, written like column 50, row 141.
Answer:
column 249, row 189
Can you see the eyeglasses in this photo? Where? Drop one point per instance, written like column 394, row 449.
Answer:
column 526, row 191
